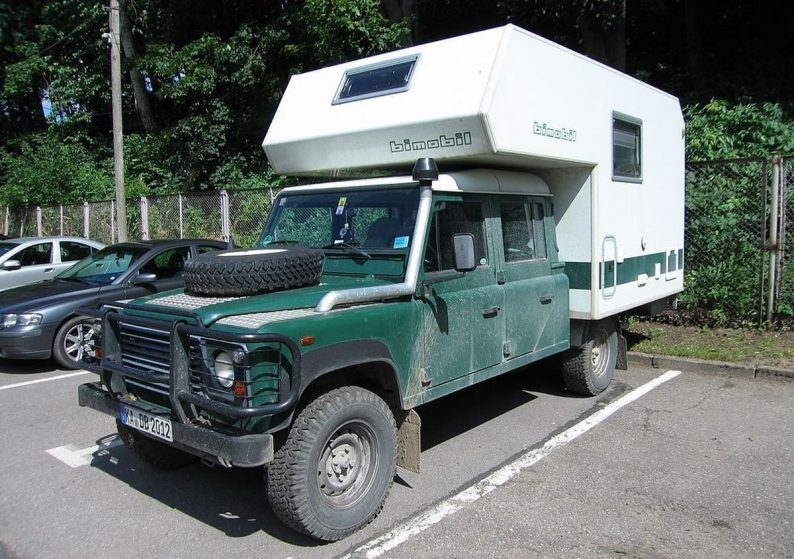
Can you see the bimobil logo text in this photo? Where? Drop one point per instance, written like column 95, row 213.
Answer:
column 442, row 141
column 567, row 134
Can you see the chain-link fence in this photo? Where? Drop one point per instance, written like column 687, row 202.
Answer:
column 216, row 215
column 725, row 231
column 248, row 210
column 739, row 235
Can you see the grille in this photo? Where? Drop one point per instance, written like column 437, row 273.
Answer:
column 146, row 350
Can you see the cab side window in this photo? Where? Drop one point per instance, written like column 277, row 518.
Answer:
column 523, row 234
column 36, row 254
column 455, row 217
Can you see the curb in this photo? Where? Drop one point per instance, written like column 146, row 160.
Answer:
column 708, row 367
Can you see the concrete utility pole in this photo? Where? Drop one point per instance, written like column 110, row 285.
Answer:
column 118, row 134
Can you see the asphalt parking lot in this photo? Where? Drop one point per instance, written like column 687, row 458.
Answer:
column 692, row 466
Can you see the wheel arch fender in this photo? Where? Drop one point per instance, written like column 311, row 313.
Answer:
column 365, row 363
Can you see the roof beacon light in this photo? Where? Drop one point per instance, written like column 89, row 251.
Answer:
column 425, row 171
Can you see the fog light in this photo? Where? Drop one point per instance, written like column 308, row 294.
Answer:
column 224, row 370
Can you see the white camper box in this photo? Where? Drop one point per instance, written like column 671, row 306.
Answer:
column 508, row 99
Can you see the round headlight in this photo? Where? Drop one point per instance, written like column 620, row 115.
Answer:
column 224, row 370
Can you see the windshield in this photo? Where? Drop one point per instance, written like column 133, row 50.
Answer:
column 370, row 219
column 5, row 247
column 103, row 267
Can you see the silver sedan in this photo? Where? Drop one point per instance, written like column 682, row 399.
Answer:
column 31, row 259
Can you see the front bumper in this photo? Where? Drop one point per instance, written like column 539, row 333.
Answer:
column 28, row 342
column 237, row 450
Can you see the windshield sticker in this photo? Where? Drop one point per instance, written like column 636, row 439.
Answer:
column 340, row 208
column 400, row 242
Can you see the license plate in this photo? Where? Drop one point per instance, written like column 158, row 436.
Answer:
column 146, row 422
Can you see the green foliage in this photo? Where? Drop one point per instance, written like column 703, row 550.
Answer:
column 719, row 130
column 44, row 169
column 334, row 32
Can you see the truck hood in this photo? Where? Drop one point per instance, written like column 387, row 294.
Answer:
column 212, row 309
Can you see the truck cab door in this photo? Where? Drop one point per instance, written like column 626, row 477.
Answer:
column 536, row 291
column 462, row 313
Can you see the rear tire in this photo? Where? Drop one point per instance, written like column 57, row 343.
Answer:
column 333, row 473
column 158, row 454
column 588, row 370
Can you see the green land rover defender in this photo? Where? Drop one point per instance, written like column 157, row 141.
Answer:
column 362, row 300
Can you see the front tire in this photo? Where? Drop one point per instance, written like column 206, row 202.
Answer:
column 588, row 370
column 74, row 340
column 333, row 473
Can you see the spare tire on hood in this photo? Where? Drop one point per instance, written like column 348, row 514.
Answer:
column 240, row 272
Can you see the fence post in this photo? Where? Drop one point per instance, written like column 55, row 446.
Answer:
column 85, row 221
column 38, row 221
column 225, row 221
column 5, row 222
column 60, row 221
column 144, row 218
column 112, row 221
column 181, row 225
column 773, row 244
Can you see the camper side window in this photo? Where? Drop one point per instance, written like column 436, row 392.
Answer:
column 626, row 148
column 455, row 217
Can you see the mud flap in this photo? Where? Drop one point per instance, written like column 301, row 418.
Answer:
column 409, row 439
column 622, row 362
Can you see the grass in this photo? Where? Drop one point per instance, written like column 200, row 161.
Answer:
column 749, row 347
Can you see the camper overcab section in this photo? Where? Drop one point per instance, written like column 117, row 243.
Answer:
column 492, row 200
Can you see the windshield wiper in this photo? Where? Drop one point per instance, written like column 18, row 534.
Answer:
column 348, row 248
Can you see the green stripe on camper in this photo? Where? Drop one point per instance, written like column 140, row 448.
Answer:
column 579, row 272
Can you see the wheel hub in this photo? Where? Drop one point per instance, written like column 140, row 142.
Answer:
column 341, row 462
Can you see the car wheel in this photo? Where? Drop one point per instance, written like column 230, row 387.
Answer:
column 74, row 340
column 333, row 473
column 588, row 370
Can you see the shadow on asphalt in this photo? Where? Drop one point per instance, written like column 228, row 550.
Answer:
column 27, row 367
column 453, row 415
column 233, row 501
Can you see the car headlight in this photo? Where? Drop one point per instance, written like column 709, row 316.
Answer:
column 224, row 369
column 12, row 320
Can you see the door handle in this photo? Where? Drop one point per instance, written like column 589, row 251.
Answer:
column 48, row 270
column 546, row 299
column 491, row 311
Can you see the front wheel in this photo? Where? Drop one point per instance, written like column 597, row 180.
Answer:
column 75, row 340
column 333, row 473
column 589, row 369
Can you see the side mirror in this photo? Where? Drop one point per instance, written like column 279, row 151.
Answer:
column 463, row 246
column 144, row 278
column 12, row 265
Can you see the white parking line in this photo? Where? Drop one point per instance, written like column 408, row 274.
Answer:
column 76, row 457
column 423, row 521
column 48, row 379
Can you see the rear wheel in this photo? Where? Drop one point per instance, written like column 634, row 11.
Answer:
column 589, row 369
column 333, row 473
column 158, row 454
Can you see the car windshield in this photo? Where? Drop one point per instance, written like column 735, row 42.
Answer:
column 5, row 247
column 381, row 219
column 105, row 266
